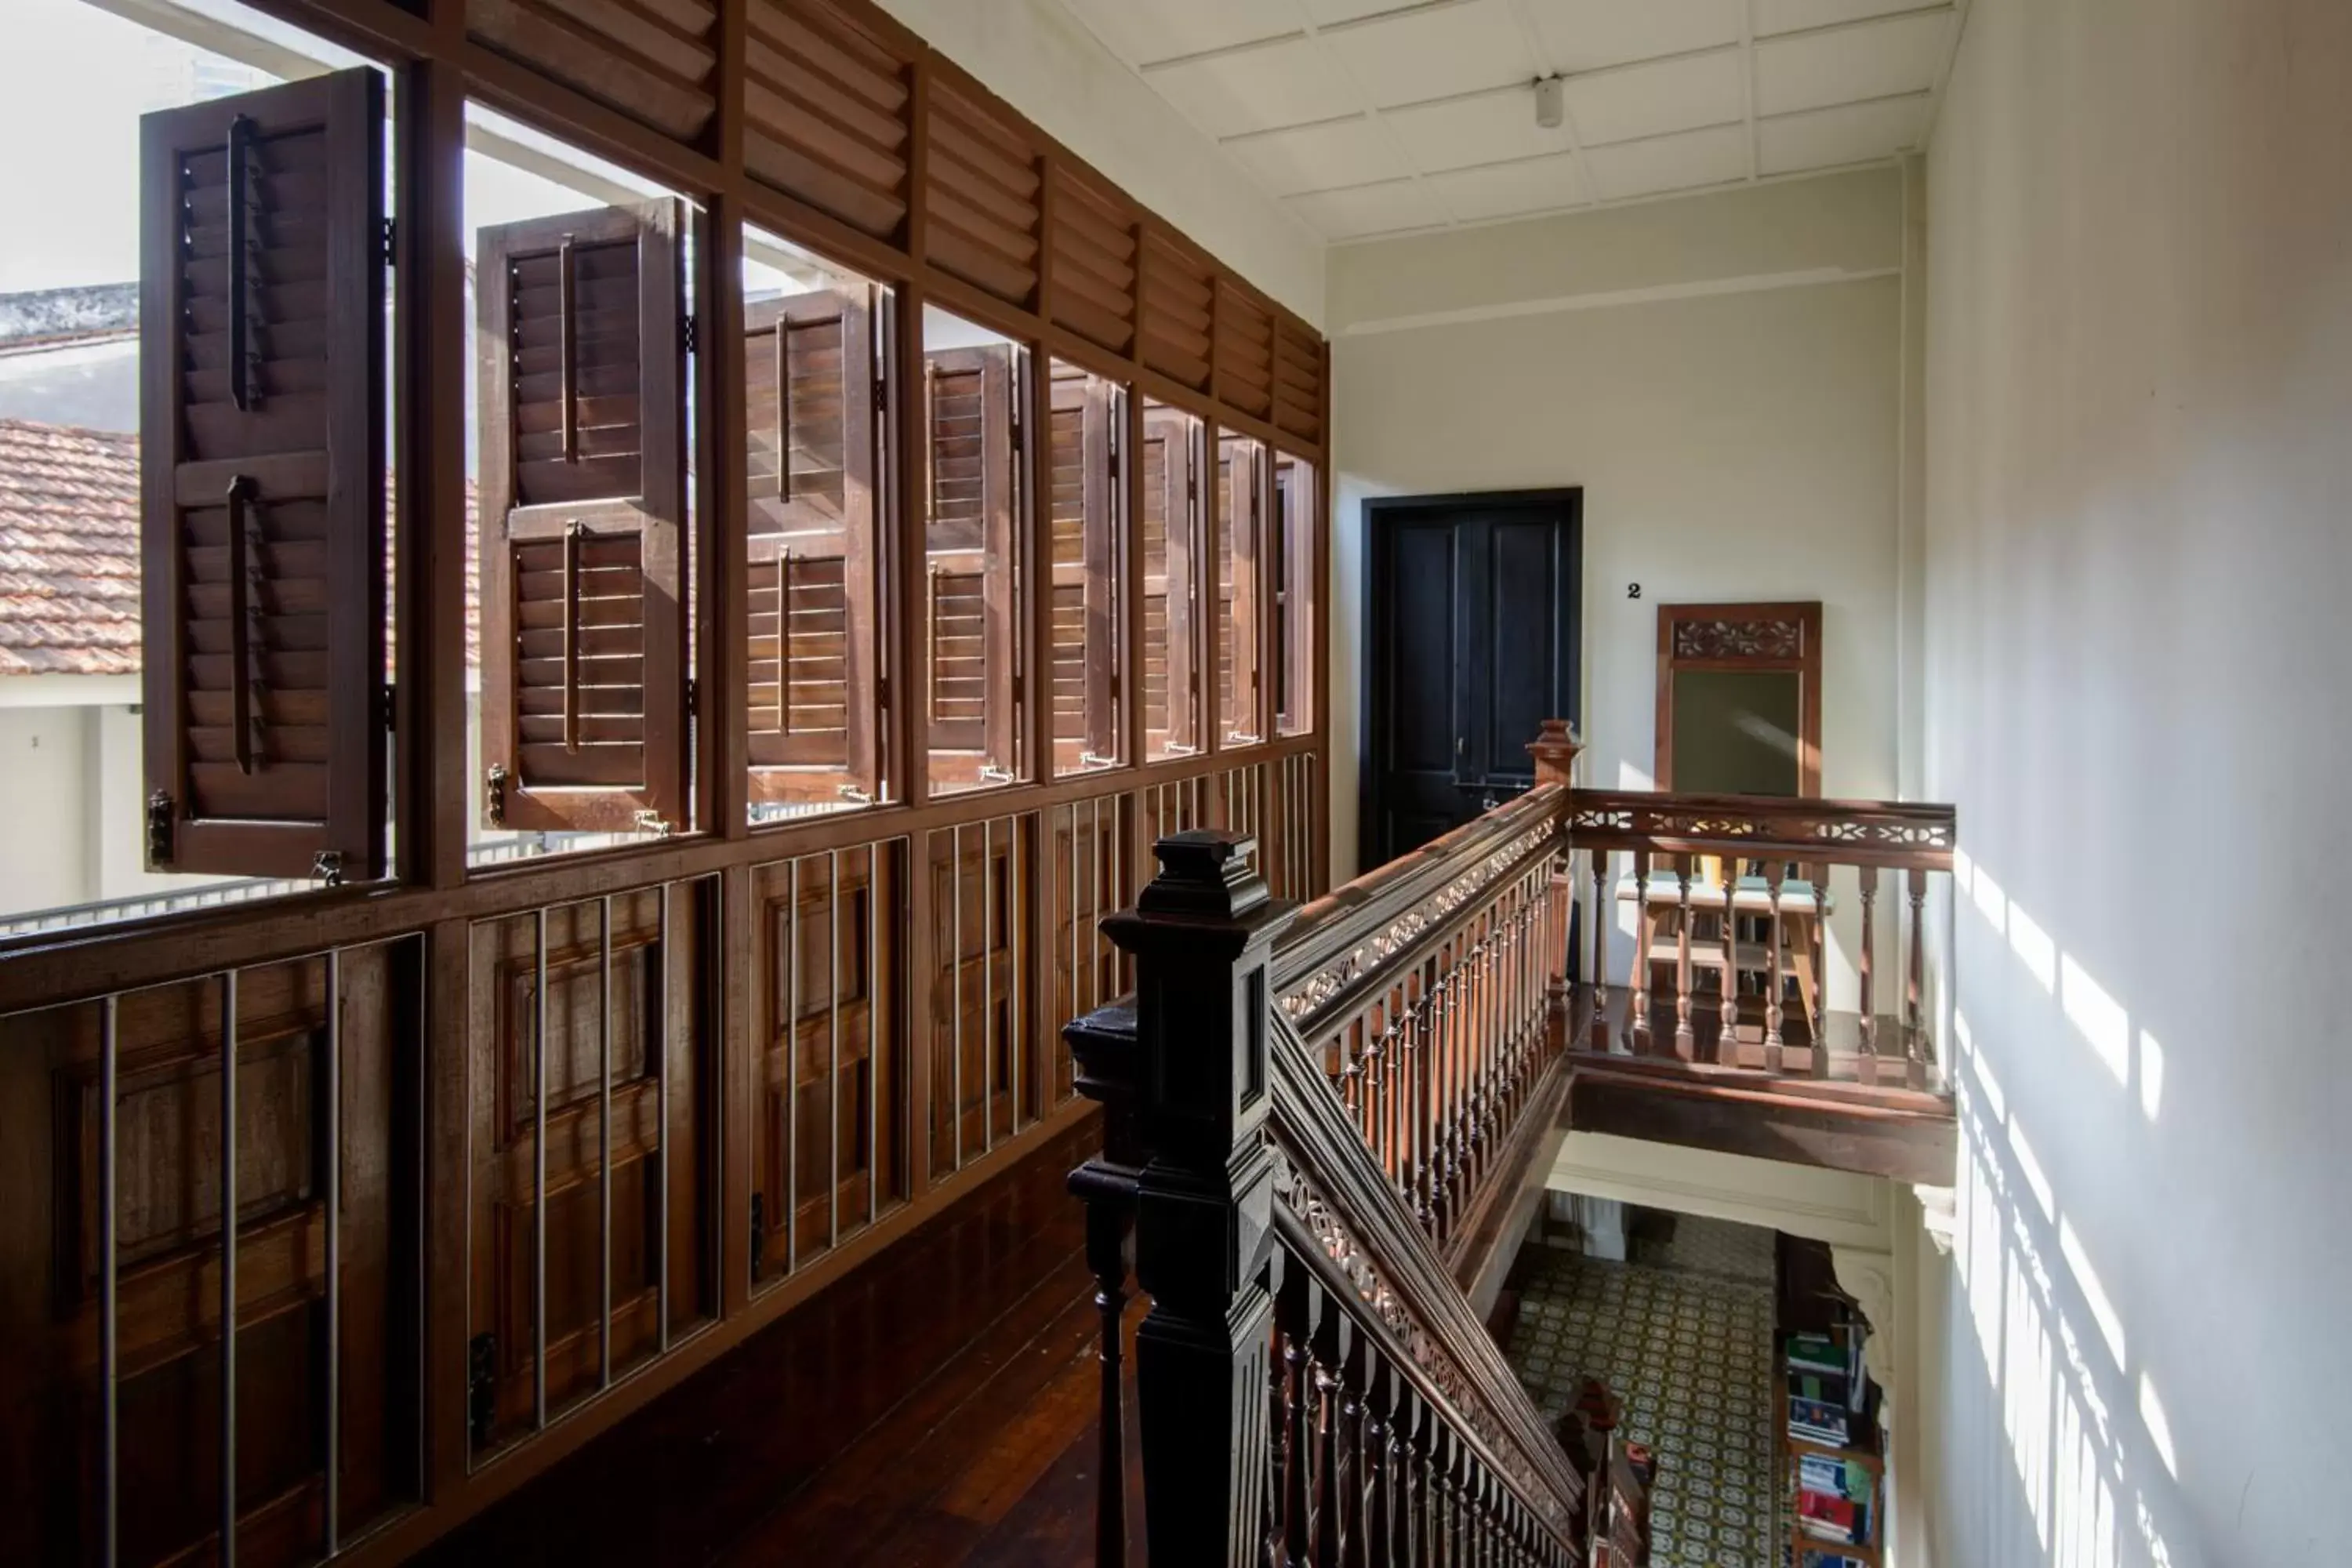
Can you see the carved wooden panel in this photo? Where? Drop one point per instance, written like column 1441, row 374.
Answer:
column 1771, row 637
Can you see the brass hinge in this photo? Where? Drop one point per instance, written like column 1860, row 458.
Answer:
column 655, row 823
column 494, row 794
column 327, row 867
column 160, row 811
column 759, row 1233
column 481, row 1387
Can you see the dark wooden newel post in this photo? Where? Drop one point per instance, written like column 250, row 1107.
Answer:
column 1202, row 934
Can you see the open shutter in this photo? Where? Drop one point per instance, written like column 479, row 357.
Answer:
column 1085, row 570
column 261, row 475
column 1170, row 534
column 972, row 647
column 809, row 404
column 584, row 487
column 1241, row 535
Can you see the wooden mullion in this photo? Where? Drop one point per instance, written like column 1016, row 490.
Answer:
column 862, row 584
column 1208, row 594
column 1034, row 541
column 1133, row 750
column 722, row 628
column 1102, row 601
column 1000, row 538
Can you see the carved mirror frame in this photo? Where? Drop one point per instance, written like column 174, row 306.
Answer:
column 1751, row 639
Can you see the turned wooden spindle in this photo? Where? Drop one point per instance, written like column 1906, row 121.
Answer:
column 1601, row 923
column 1773, row 872
column 1640, row 1020
column 1686, row 874
column 1914, row 1033
column 1727, row 1041
column 1867, row 1065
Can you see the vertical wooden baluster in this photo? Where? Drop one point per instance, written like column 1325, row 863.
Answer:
column 1686, row 873
column 873, row 1044
column 1334, row 1338
column 1913, row 1032
column 1774, row 870
column 1866, row 1064
column 331, row 1502
column 605, row 1141
column 1358, row 1468
column 792, row 1074
column 1727, row 1044
column 955, row 1005
column 1639, row 1023
column 1603, row 913
column 1380, row 1464
column 1817, row 1006
column 228, row 1304
column 832, row 1049
column 1291, row 1314
column 539, row 1175
column 109, row 1342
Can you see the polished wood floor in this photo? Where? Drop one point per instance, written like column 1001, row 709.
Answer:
column 937, row 1405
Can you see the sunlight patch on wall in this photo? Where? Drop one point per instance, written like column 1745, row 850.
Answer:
column 2025, row 1398
column 2151, row 1075
column 2160, row 1430
column 2097, row 1016
column 2095, row 1293
column 2033, row 947
column 2030, row 1167
column 2086, row 1504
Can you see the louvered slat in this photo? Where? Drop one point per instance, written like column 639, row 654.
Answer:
column 1298, row 382
column 651, row 59
column 828, row 114
column 1174, row 306
column 583, row 440
column 262, row 476
column 984, row 196
column 1094, row 249
column 969, row 617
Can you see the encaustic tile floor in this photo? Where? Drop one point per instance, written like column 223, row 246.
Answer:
column 1682, row 1332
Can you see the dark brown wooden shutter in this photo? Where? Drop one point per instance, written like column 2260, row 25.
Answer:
column 1093, row 244
column 984, row 196
column 972, row 642
column 808, row 402
column 1175, row 299
column 262, row 487
column 1171, row 532
column 1085, row 568
column 1298, row 358
column 583, row 488
column 651, row 59
column 828, row 112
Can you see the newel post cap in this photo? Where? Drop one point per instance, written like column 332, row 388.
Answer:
column 1555, row 749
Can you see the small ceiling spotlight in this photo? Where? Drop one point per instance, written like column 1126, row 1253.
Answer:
column 1550, row 108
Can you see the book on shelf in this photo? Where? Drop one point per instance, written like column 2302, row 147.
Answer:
column 1817, row 1353
column 1815, row 1557
column 1817, row 1421
column 1836, row 1519
column 1833, row 1476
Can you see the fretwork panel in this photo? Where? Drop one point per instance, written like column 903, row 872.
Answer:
column 826, row 1130
column 585, row 1099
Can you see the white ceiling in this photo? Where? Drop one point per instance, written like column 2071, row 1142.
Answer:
column 1376, row 117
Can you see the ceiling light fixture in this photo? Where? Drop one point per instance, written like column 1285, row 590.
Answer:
column 1550, row 107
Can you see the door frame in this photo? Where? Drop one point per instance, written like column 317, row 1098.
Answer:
column 1383, row 515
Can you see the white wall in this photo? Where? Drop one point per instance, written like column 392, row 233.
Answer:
column 2139, row 458
column 1039, row 58
column 44, row 845
column 1720, row 375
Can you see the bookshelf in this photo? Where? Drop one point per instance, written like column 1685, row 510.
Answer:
column 1831, row 1472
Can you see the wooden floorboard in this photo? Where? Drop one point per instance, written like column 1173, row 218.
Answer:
column 923, row 1408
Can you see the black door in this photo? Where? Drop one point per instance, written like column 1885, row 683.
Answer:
column 1470, row 639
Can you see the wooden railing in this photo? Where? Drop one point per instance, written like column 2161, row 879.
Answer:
column 1738, row 904
column 1303, row 1111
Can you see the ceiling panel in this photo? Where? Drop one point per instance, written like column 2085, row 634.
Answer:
column 1326, row 13
column 1487, row 129
column 1669, row 163
column 1871, row 59
column 1369, row 209
column 1436, row 53
column 1849, row 133
column 1142, row 31
column 1652, row 99
column 1512, row 190
column 1292, row 83
column 1318, row 157
column 1583, row 35
column 1792, row 15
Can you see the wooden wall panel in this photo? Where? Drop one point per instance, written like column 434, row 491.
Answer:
column 650, row 59
column 828, row 111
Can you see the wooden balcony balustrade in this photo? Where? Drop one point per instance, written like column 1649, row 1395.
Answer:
column 1721, row 1028
column 1307, row 1115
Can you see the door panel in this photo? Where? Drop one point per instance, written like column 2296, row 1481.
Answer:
column 1473, row 636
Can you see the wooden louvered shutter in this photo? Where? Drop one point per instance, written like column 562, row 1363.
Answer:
column 809, row 407
column 972, row 645
column 261, row 473
column 1085, row 570
column 582, row 492
column 1170, row 531
column 1240, row 533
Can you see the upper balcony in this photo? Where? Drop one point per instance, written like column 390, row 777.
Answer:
column 1754, row 978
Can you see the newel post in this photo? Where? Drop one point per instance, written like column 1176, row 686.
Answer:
column 1202, row 934
column 1555, row 749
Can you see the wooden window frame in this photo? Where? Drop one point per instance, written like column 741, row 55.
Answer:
column 1748, row 639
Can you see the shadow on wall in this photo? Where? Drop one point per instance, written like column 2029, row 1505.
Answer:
column 2053, row 1441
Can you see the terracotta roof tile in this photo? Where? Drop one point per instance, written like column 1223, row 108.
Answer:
column 69, row 551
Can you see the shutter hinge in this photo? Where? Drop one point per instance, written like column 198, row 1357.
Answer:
column 161, row 810
column 391, row 242
column 494, row 794
column 1020, row 689
column 690, row 330
column 655, row 823
column 481, row 1387
column 759, row 1233
column 693, row 695
column 327, row 867
column 882, row 692
column 390, row 712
